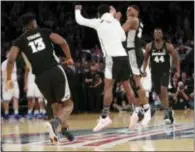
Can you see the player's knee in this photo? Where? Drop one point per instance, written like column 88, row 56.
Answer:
column 163, row 92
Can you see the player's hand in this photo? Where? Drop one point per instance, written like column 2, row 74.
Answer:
column 118, row 15
column 79, row 7
column 69, row 61
column 25, row 89
column 112, row 10
column 144, row 74
column 9, row 84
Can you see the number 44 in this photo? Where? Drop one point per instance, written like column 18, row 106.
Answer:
column 158, row 59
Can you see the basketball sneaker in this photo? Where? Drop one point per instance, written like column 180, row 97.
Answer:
column 136, row 117
column 52, row 129
column 65, row 132
column 168, row 118
column 102, row 123
column 147, row 116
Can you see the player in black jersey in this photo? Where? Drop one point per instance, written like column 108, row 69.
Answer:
column 159, row 53
column 51, row 79
column 134, row 27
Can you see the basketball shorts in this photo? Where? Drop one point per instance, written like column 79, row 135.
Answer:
column 117, row 68
column 33, row 91
column 136, row 58
column 53, row 84
column 158, row 80
column 9, row 94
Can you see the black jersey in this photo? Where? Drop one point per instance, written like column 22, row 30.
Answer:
column 38, row 48
column 159, row 59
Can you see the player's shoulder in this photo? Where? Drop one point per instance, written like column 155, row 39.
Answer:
column 149, row 45
column 169, row 45
column 3, row 64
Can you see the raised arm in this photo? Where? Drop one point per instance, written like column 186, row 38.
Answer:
column 92, row 23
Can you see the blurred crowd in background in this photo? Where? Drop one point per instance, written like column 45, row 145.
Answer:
column 86, row 77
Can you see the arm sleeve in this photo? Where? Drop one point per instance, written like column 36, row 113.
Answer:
column 92, row 23
column 122, row 32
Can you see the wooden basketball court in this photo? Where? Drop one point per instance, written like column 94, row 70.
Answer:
column 29, row 135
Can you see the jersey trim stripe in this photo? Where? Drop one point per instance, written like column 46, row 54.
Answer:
column 55, row 57
column 67, row 89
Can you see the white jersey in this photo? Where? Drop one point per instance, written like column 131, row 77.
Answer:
column 4, row 72
column 109, row 31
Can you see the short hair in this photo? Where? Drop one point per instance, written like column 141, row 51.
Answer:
column 104, row 8
column 136, row 8
column 158, row 28
column 27, row 18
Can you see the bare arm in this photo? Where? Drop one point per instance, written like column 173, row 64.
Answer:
column 11, row 60
column 129, row 24
column 146, row 56
column 175, row 57
column 57, row 39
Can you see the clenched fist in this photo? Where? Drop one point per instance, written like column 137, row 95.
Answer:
column 79, row 7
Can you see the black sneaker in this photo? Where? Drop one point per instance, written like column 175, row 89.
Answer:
column 168, row 118
column 52, row 130
column 67, row 134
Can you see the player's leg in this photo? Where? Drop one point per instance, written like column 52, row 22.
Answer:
column 141, row 95
column 7, row 96
column 168, row 118
column 16, row 94
column 31, row 100
column 104, row 119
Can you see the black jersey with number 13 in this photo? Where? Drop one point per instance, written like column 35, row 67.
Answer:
column 159, row 59
column 38, row 48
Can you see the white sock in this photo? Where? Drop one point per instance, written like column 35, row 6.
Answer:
column 146, row 106
column 30, row 111
column 15, row 112
column 36, row 112
column 6, row 112
column 137, row 109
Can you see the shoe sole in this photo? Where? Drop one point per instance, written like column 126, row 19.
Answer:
column 52, row 136
column 99, row 129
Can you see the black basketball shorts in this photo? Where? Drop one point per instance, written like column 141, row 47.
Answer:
column 158, row 80
column 53, row 84
column 136, row 58
column 117, row 68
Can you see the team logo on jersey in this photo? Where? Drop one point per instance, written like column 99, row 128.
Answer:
column 106, row 138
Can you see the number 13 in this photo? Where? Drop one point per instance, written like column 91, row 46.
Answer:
column 37, row 45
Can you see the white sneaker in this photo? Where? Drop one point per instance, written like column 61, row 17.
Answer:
column 133, row 121
column 102, row 123
column 52, row 133
column 147, row 117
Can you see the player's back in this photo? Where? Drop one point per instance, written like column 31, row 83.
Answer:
column 38, row 48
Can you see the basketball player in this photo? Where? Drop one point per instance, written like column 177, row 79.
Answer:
column 10, row 93
column 33, row 94
column 50, row 77
column 117, row 68
column 159, row 53
column 134, row 27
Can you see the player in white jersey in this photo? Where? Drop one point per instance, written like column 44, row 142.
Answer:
column 10, row 94
column 34, row 95
column 111, row 35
